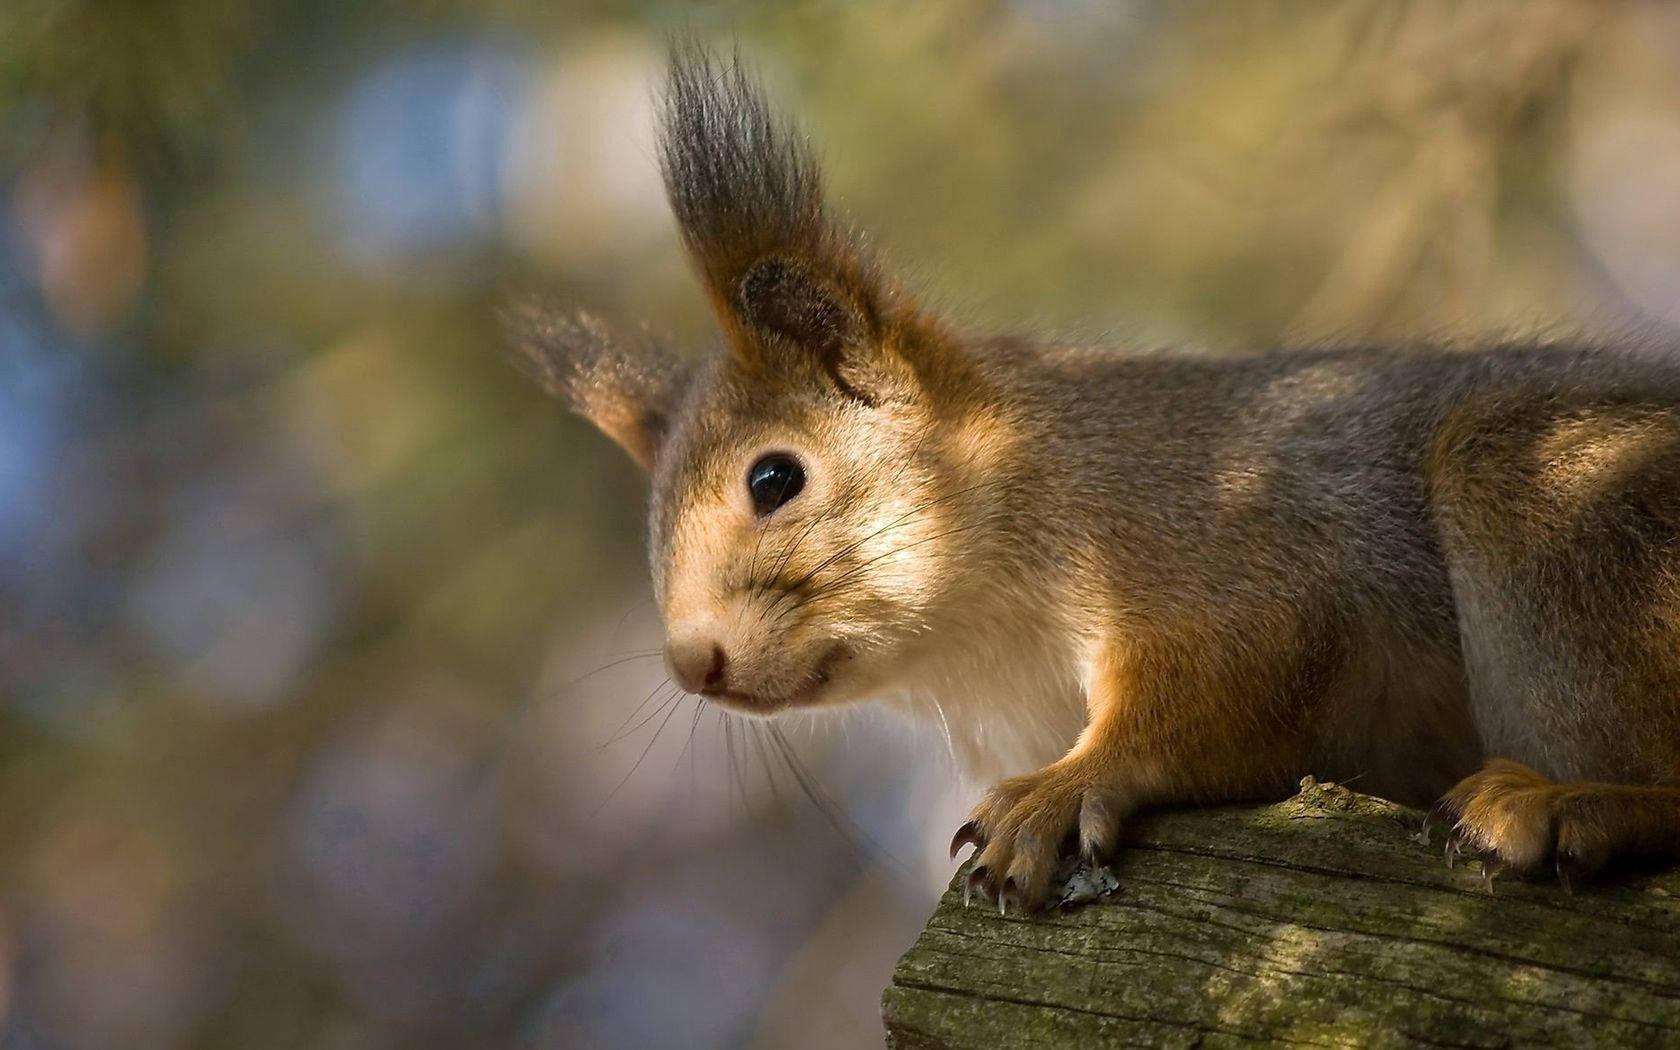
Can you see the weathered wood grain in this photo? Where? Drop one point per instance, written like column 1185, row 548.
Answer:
column 1321, row 921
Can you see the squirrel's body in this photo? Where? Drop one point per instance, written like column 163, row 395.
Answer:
column 1285, row 521
column 1136, row 580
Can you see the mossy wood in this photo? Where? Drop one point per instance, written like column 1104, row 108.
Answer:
column 1321, row 921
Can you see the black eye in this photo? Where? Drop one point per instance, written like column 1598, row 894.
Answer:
column 774, row 480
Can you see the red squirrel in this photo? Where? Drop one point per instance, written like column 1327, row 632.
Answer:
column 1143, row 580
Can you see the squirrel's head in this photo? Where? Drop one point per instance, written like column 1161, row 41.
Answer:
column 813, row 480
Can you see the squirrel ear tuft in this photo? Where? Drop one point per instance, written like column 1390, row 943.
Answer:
column 779, row 296
column 629, row 391
column 747, row 195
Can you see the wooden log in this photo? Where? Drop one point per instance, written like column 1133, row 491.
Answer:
column 1321, row 921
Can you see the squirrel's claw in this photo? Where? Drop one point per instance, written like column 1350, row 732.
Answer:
column 1570, row 870
column 967, row 835
column 1010, row 894
column 979, row 881
column 1492, row 868
column 1441, row 811
column 1029, row 825
column 1455, row 844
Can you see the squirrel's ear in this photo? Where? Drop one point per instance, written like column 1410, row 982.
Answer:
column 747, row 196
column 629, row 391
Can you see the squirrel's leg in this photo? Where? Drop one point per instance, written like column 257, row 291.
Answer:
column 1521, row 821
column 1026, row 824
column 1561, row 531
column 1169, row 721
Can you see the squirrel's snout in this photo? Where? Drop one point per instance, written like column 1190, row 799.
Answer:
column 741, row 668
column 698, row 665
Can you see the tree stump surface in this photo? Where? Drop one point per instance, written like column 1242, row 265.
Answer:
column 1320, row 921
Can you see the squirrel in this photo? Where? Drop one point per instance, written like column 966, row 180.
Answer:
column 1140, row 580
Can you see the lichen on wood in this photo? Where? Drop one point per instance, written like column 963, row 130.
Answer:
column 1320, row 921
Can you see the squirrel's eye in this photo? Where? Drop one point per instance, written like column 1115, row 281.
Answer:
column 774, row 480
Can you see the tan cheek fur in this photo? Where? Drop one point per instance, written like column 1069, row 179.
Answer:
column 873, row 556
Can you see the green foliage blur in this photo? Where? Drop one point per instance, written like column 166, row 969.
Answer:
column 322, row 634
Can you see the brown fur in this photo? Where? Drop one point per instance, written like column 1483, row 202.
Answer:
column 1158, row 578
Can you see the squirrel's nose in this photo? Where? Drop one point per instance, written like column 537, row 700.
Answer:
column 698, row 665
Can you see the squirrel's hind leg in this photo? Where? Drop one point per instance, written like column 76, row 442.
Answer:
column 1560, row 526
column 1520, row 821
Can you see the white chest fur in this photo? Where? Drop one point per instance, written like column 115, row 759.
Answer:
column 1005, row 694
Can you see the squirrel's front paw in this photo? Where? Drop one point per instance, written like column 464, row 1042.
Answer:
column 1026, row 824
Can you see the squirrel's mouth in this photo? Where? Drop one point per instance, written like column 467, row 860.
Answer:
column 808, row 691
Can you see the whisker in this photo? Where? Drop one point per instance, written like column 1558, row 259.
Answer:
column 758, row 541
column 734, row 768
column 694, row 724
column 640, row 654
column 752, row 567
column 757, row 729
column 787, row 555
column 832, row 811
column 514, row 718
column 620, row 733
column 855, row 544
column 854, row 570
column 675, row 707
column 829, row 585
column 790, row 590
column 904, row 465
column 619, row 626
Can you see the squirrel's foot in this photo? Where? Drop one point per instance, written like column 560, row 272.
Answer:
column 1520, row 821
column 1026, row 824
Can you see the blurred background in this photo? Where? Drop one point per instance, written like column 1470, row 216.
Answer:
column 330, row 706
